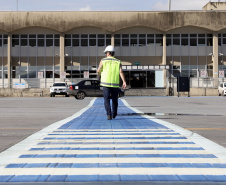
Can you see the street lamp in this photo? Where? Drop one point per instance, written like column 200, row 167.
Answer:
column 169, row 4
column 222, row 55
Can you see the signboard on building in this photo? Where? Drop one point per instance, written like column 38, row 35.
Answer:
column 40, row 75
column 86, row 74
column 221, row 74
column 62, row 74
column 137, row 63
column 203, row 74
column 19, row 85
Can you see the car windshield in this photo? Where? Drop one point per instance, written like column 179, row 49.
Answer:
column 59, row 84
column 225, row 85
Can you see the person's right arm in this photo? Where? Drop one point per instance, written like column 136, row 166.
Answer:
column 123, row 78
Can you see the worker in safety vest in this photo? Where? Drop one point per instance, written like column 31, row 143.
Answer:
column 110, row 69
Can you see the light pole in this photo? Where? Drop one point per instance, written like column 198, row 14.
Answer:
column 169, row 4
column 17, row 4
column 222, row 55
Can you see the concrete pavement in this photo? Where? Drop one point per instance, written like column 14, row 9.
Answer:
column 143, row 148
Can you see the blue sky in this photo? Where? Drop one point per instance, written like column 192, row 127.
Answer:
column 100, row 5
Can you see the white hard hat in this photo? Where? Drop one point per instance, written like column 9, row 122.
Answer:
column 109, row 48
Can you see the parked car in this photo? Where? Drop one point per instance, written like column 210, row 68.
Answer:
column 59, row 88
column 90, row 88
column 222, row 89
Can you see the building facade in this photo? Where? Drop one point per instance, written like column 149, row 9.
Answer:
column 39, row 48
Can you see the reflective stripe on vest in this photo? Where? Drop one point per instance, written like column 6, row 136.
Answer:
column 110, row 72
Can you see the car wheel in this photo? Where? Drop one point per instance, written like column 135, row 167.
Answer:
column 81, row 95
column 75, row 97
column 219, row 94
column 66, row 95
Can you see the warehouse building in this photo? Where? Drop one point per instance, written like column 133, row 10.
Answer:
column 40, row 48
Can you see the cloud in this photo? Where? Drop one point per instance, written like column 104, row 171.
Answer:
column 87, row 8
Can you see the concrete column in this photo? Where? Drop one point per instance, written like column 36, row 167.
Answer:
column 112, row 39
column 215, row 56
column 164, row 59
column 9, row 60
column 62, row 51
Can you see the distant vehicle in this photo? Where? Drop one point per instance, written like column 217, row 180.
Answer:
column 59, row 88
column 88, row 88
column 222, row 89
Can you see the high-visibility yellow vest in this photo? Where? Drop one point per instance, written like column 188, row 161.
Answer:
column 110, row 72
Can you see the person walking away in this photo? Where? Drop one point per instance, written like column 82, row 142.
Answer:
column 110, row 69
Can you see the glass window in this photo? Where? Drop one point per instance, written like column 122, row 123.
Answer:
column 67, row 42
column 49, row 36
column 125, row 35
column 92, row 42
column 159, row 42
column 32, row 36
column 101, row 42
column 117, row 42
column 202, row 41
column 117, row 36
column 57, row 42
column 193, row 41
column 84, row 42
column 176, row 41
column 32, row 42
column 108, row 42
column 142, row 42
column 41, row 36
column 210, row 41
column 75, row 42
column 49, row 42
column 24, row 42
column 41, row 42
column 224, row 41
column 75, row 36
column 15, row 42
column 67, row 36
column 92, row 36
column 100, row 35
column 184, row 41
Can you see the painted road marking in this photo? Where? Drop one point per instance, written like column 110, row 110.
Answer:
column 86, row 147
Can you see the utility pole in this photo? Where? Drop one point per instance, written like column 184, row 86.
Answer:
column 169, row 4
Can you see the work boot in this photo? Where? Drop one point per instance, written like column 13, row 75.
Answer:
column 114, row 116
column 109, row 118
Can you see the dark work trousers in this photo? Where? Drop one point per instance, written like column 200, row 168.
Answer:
column 111, row 92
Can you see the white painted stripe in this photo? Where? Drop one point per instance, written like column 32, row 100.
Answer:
column 17, row 150
column 117, row 152
column 115, row 145
column 205, row 143
column 115, row 140
column 115, row 171
column 116, row 160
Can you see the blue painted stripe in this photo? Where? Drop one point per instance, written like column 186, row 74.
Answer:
column 117, row 165
column 112, row 131
column 114, row 134
column 85, row 143
column 104, row 178
column 66, row 138
column 118, row 156
column 113, row 148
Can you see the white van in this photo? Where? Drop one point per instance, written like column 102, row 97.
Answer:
column 222, row 89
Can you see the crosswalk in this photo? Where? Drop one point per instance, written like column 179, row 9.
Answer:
column 131, row 147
